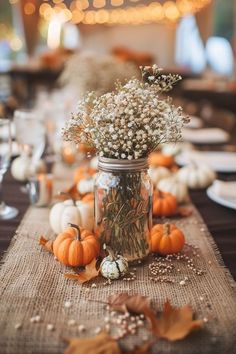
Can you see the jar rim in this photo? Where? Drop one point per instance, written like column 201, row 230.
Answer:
column 110, row 164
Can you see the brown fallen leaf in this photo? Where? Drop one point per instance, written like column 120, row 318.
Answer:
column 176, row 323
column 133, row 303
column 100, row 344
column 46, row 244
column 89, row 273
column 71, row 193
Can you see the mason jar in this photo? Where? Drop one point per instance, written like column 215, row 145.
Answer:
column 123, row 206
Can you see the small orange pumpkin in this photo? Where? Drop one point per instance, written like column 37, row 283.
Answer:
column 156, row 159
column 83, row 172
column 85, row 148
column 76, row 246
column 164, row 204
column 166, row 239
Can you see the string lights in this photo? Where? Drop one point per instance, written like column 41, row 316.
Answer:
column 118, row 11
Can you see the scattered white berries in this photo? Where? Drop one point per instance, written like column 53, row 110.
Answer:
column 97, row 330
column 50, row 327
column 18, row 326
column 71, row 322
column 182, row 282
column 81, row 328
column 35, row 319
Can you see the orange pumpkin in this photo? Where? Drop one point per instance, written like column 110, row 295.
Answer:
column 156, row 159
column 166, row 239
column 83, row 172
column 85, row 148
column 76, row 246
column 164, row 204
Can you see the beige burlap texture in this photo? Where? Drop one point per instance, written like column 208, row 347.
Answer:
column 33, row 283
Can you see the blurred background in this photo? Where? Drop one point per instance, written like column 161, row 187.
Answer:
column 44, row 44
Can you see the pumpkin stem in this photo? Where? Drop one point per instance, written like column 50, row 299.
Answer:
column 67, row 194
column 110, row 252
column 78, row 237
column 166, row 229
column 160, row 193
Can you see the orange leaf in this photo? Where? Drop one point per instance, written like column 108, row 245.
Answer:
column 176, row 323
column 71, row 193
column 100, row 344
column 89, row 273
column 46, row 244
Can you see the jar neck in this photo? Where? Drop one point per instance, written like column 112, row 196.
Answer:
column 110, row 165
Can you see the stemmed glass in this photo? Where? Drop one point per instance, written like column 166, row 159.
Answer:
column 6, row 212
column 30, row 135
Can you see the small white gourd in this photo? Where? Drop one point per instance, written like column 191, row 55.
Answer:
column 158, row 173
column 174, row 149
column 112, row 266
column 22, row 167
column 74, row 212
column 175, row 187
column 196, row 176
column 86, row 185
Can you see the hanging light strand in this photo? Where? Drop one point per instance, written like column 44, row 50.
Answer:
column 80, row 11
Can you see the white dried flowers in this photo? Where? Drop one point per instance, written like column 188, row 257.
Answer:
column 130, row 122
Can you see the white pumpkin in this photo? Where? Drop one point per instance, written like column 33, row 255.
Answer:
column 22, row 166
column 158, row 173
column 175, row 187
column 86, row 185
column 113, row 267
column 94, row 162
column 79, row 213
column 196, row 176
column 174, row 149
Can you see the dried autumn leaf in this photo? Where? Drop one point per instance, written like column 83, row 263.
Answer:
column 71, row 193
column 89, row 273
column 133, row 303
column 100, row 344
column 46, row 244
column 176, row 323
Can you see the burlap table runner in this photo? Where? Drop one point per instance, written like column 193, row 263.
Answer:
column 33, row 283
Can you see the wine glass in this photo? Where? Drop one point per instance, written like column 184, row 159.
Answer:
column 6, row 212
column 30, row 135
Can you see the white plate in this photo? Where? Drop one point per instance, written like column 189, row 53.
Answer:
column 206, row 136
column 219, row 161
column 227, row 202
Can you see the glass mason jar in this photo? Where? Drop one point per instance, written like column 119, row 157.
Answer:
column 123, row 206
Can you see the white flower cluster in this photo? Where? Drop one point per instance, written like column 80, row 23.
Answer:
column 98, row 73
column 128, row 123
column 153, row 75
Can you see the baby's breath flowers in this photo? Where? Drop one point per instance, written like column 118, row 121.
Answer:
column 131, row 121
